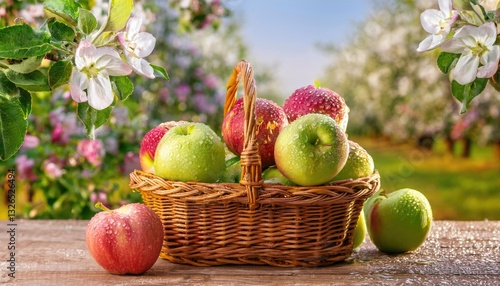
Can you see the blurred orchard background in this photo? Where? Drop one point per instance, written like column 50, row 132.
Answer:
column 402, row 111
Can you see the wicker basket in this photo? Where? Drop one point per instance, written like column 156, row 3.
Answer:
column 252, row 222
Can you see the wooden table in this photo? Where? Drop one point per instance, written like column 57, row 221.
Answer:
column 53, row 252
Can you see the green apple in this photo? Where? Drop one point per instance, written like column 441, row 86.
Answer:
column 190, row 152
column 359, row 163
column 272, row 175
column 398, row 222
column 360, row 231
column 311, row 150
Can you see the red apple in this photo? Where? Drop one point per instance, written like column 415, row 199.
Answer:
column 127, row 240
column 271, row 119
column 149, row 143
column 311, row 99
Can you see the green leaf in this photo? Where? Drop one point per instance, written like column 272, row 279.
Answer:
column 87, row 22
column 118, row 14
column 122, row 86
column 462, row 4
column 33, row 81
column 492, row 16
column 13, row 126
column 160, row 72
column 7, row 88
column 466, row 93
column 26, row 65
column 471, row 17
column 446, row 61
column 66, row 9
column 92, row 118
column 60, row 73
column 60, row 31
column 25, row 101
column 22, row 41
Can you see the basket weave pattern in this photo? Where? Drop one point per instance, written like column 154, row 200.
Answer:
column 251, row 222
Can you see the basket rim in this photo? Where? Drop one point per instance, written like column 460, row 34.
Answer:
column 199, row 192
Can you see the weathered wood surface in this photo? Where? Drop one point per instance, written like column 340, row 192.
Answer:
column 53, row 252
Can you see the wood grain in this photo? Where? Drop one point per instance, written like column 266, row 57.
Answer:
column 53, row 252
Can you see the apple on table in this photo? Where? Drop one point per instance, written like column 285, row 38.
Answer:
column 398, row 222
column 127, row 240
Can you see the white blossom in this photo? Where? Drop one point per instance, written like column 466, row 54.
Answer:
column 137, row 45
column 93, row 66
column 476, row 46
column 438, row 24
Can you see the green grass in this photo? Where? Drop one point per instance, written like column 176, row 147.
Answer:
column 457, row 188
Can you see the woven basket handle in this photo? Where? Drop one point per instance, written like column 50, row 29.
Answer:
column 251, row 166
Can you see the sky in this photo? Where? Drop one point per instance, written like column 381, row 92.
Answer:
column 283, row 34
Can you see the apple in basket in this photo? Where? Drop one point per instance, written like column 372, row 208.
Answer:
column 359, row 231
column 398, row 222
column 232, row 174
column 270, row 120
column 190, row 152
column 312, row 99
column 127, row 240
column 272, row 175
column 149, row 143
column 311, row 150
column 359, row 163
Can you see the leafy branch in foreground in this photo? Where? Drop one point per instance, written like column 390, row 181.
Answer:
column 70, row 47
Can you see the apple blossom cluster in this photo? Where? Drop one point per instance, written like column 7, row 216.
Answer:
column 467, row 37
column 64, row 44
column 94, row 66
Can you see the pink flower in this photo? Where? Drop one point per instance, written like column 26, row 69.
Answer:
column 64, row 125
column 30, row 142
column 92, row 150
column 210, row 81
column 201, row 102
column 25, row 168
column 57, row 134
column 52, row 169
column 182, row 92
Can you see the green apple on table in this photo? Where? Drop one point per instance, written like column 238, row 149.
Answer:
column 190, row 152
column 398, row 222
column 311, row 150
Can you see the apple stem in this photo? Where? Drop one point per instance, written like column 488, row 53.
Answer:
column 317, row 84
column 99, row 205
column 383, row 193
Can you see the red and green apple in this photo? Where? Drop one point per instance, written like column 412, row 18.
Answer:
column 127, row 240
